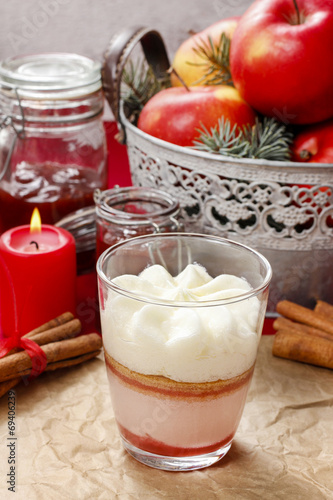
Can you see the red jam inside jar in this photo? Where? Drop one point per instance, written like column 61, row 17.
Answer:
column 55, row 190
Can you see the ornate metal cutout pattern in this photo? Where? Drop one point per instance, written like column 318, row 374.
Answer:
column 263, row 210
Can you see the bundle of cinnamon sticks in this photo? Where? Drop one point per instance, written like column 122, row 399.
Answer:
column 61, row 344
column 304, row 334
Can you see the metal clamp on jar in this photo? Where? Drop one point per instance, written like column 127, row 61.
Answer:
column 53, row 152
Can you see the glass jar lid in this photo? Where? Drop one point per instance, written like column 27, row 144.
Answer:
column 51, row 74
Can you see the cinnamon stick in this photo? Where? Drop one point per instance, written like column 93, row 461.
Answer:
column 49, row 326
column 66, row 363
column 304, row 348
column 12, row 366
column 9, row 384
column 282, row 323
column 61, row 332
column 303, row 315
column 324, row 309
column 53, row 323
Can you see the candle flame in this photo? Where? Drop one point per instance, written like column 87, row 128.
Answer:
column 36, row 222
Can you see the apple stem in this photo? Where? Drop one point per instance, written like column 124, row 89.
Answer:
column 297, row 12
column 172, row 70
column 305, row 155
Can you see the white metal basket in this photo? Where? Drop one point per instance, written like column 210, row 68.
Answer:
column 282, row 209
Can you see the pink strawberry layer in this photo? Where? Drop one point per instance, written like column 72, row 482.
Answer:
column 170, row 418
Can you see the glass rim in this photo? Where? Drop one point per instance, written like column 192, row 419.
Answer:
column 176, row 303
column 105, row 210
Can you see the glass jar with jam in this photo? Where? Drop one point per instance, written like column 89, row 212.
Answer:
column 53, row 152
column 123, row 213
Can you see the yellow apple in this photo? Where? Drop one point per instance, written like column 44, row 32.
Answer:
column 186, row 59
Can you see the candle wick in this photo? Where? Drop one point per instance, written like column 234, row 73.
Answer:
column 34, row 243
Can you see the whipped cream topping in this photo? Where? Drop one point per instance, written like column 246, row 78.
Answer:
column 188, row 343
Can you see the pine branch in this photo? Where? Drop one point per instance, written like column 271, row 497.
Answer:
column 216, row 63
column 139, row 84
column 267, row 139
column 221, row 139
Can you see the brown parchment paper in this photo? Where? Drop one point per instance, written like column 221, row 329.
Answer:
column 68, row 445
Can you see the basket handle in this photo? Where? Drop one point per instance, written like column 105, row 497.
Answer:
column 115, row 58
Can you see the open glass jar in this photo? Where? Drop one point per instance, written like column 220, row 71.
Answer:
column 53, row 152
column 123, row 213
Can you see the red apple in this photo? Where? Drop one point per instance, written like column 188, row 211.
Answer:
column 281, row 59
column 314, row 144
column 186, row 59
column 175, row 114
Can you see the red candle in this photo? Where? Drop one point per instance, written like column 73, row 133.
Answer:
column 37, row 276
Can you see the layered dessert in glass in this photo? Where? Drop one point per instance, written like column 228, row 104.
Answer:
column 180, row 350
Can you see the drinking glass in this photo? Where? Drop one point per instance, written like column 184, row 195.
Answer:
column 181, row 317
